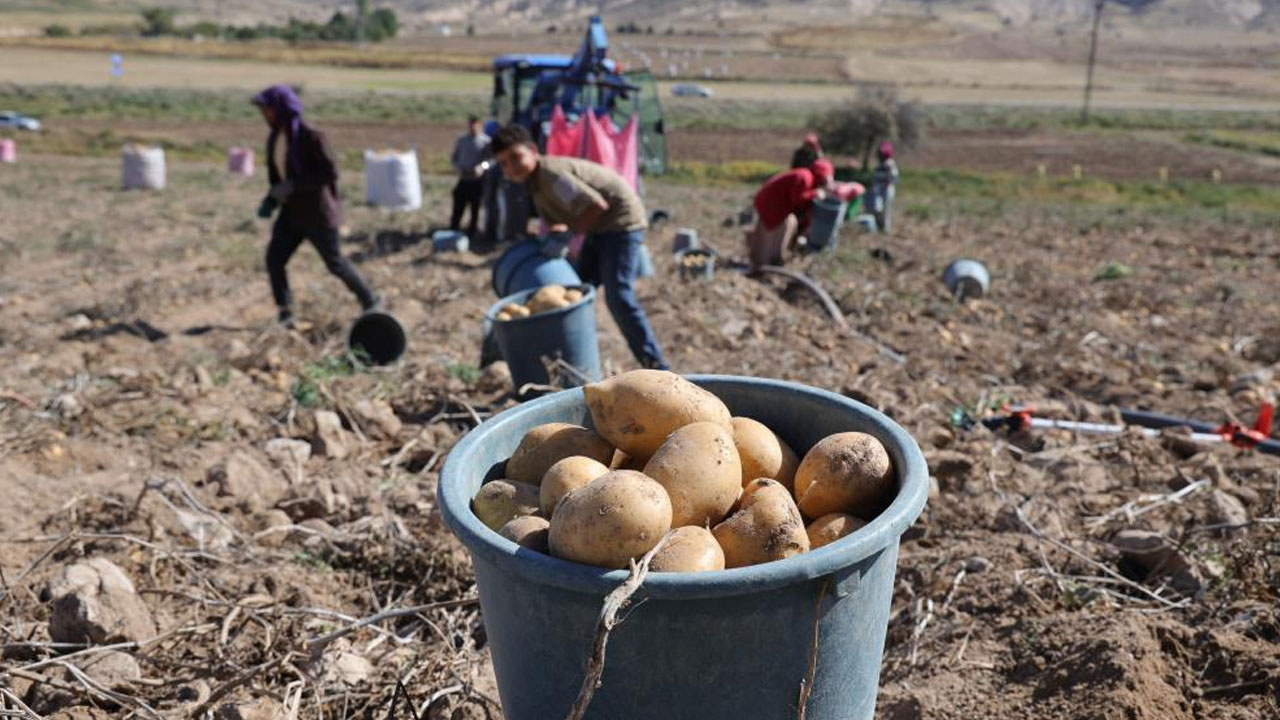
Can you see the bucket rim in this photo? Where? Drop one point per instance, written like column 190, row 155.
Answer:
column 588, row 295
column 876, row 536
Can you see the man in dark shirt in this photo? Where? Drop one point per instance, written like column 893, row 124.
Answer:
column 586, row 198
column 470, row 159
column 304, row 186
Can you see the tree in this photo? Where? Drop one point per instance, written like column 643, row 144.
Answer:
column 157, row 22
column 382, row 25
column 55, row 31
column 876, row 114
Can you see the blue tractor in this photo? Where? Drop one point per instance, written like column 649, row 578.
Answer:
column 527, row 89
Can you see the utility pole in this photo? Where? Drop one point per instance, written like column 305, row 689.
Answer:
column 1093, row 56
column 362, row 15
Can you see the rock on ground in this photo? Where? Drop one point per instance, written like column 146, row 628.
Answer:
column 242, row 477
column 333, row 439
column 110, row 669
column 95, row 602
column 377, row 418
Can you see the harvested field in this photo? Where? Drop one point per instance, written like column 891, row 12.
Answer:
column 145, row 388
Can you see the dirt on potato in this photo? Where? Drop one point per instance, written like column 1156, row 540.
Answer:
column 139, row 354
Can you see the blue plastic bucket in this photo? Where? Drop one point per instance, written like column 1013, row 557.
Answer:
column 725, row 645
column 824, row 222
column 966, row 279
column 566, row 333
column 685, row 239
column 523, row 267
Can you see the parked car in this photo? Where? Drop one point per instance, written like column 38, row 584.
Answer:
column 10, row 119
column 691, row 90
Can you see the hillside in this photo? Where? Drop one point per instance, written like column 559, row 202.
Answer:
column 495, row 15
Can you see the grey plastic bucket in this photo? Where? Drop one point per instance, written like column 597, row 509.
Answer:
column 377, row 337
column 724, row 645
column 523, row 267
column 685, row 239
column 566, row 333
column 824, row 222
column 966, row 279
column 706, row 271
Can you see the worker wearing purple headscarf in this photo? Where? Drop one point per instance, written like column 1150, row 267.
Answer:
column 304, row 186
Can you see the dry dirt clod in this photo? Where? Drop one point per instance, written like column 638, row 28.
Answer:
column 333, row 439
column 68, row 406
column 949, row 464
column 377, row 417
column 95, row 602
column 260, row 709
column 346, row 668
column 289, row 453
column 1226, row 509
column 1158, row 557
column 242, row 477
column 111, row 669
column 977, row 564
column 494, row 377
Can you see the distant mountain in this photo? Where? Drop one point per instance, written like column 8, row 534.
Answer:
column 487, row 13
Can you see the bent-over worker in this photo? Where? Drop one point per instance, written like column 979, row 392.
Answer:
column 589, row 199
column 304, row 186
column 782, row 207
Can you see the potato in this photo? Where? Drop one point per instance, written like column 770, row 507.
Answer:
column 830, row 528
column 688, row 549
column 547, row 297
column 568, row 474
column 763, row 454
column 768, row 527
column 504, row 316
column 846, row 472
column 500, row 500
column 698, row 465
column 573, row 295
column 529, row 531
column 516, row 310
column 546, row 445
column 611, row 520
column 637, row 410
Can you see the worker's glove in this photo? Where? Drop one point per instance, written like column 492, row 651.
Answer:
column 478, row 171
column 281, row 191
column 268, row 206
column 556, row 245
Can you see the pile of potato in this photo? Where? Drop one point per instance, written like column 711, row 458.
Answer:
column 667, row 457
column 695, row 261
column 547, row 297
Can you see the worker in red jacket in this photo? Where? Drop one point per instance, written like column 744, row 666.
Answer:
column 782, row 208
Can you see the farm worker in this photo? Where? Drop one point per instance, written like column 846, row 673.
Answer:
column 808, row 153
column 471, row 160
column 782, row 207
column 304, row 186
column 589, row 199
column 883, row 186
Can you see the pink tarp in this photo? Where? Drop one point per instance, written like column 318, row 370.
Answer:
column 598, row 140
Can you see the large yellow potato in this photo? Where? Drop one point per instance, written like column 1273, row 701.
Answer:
column 767, row 527
column 830, row 528
column 548, row 444
column 568, row 474
column 846, row 472
column 573, row 295
column 501, row 500
column 688, row 549
column 611, row 520
column 528, row 531
column 698, row 465
column 637, row 410
column 763, row 453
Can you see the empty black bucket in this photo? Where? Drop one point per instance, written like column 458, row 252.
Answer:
column 377, row 338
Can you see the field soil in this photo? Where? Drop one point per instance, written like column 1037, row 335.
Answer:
column 1119, row 155
column 146, row 389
